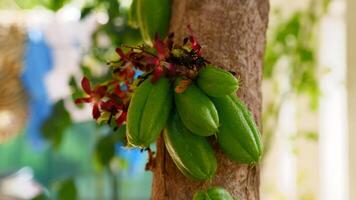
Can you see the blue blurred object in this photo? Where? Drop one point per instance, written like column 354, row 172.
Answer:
column 38, row 61
column 138, row 73
column 132, row 156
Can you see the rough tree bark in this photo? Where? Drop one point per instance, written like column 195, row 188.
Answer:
column 232, row 35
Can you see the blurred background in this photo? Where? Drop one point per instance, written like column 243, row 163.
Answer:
column 51, row 148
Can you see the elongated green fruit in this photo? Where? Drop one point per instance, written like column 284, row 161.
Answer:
column 238, row 135
column 153, row 18
column 216, row 82
column 192, row 154
column 148, row 112
column 214, row 193
column 197, row 111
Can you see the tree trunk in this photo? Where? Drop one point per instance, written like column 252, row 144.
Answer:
column 232, row 35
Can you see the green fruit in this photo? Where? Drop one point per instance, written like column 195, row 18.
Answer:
column 192, row 154
column 214, row 193
column 153, row 18
column 238, row 135
column 216, row 82
column 148, row 112
column 197, row 111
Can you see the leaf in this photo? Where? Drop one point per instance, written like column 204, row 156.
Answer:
column 325, row 6
column 40, row 197
column 67, row 190
column 26, row 4
column 306, row 54
column 72, row 82
column 55, row 5
column 313, row 136
column 86, row 11
column 105, row 150
column 86, row 71
column 55, row 126
column 77, row 92
column 120, row 135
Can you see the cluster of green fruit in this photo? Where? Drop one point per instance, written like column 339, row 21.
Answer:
column 208, row 106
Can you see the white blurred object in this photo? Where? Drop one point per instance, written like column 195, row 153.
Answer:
column 70, row 38
column 19, row 185
column 333, row 108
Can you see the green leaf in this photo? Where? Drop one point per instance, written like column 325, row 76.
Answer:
column 54, row 127
column 67, row 190
column 325, row 5
column 54, row 5
column 313, row 136
column 27, row 4
column 306, row 54
column 86, row 11
column 77, row 92
column 86, row 71
column 72, row 82
column 40, row 197
column 120, row 134
column 105, row 150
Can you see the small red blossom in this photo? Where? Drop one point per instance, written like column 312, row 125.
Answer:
column 194, row 43
column 95, row 96
column 127, row 73
column 121, row 119
column 157, row 73
column 161, row 47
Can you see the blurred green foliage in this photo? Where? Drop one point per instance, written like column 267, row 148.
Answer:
column 40, row 197
column 72, row 158
column 112, row 31
column 294, row 41
column 54, row 127
column 67, row 190
column 116, row 30
column 105, row 149
column 291, row 52
column 53, row 5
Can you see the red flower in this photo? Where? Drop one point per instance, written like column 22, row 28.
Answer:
column 161, row 47
column 121, row 119
column 193, row 41
column 157, row 73
column 159, row 61
column 119, row 110
column 121, row 54
column 94, row 97
column 127, row 73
